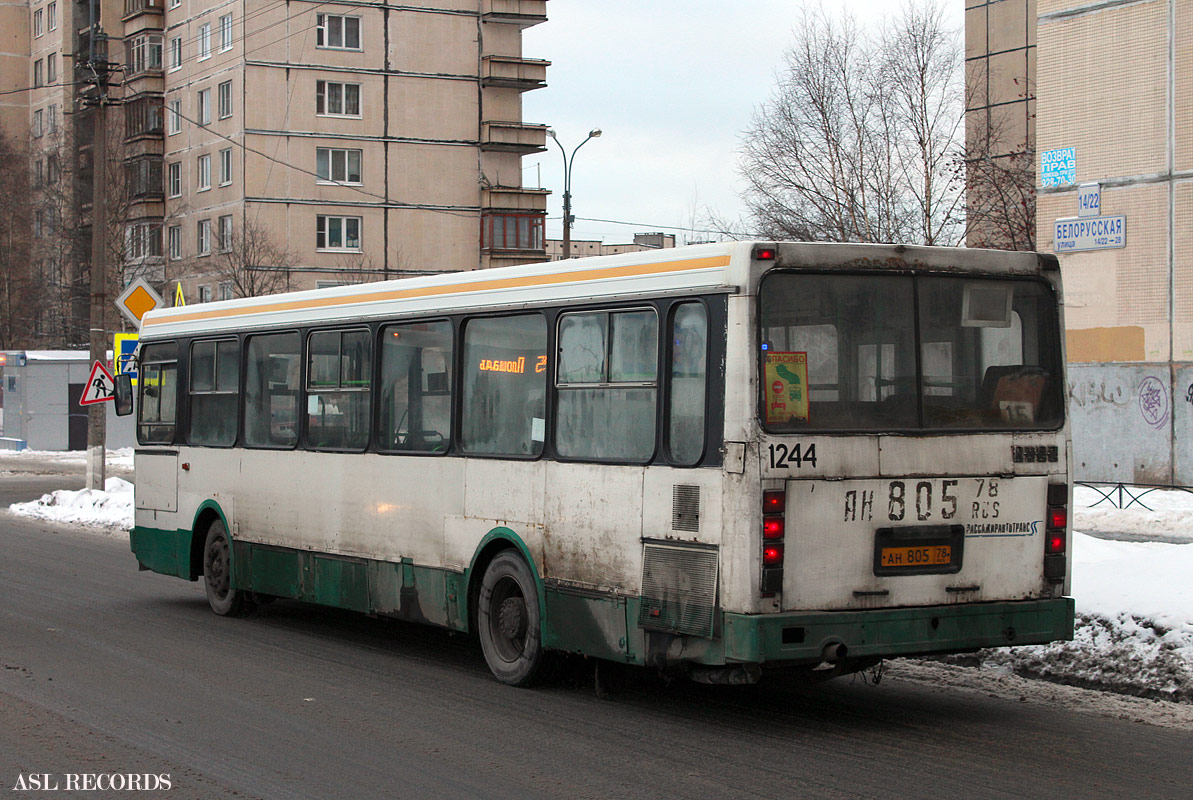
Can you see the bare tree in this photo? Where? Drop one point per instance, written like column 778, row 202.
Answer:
column 1000, row 176
column 253, row 262
column 859, row 139
column 18, row 308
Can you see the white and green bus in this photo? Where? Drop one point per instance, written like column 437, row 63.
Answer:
column 723, row 459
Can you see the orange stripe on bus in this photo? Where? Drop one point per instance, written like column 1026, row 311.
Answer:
column 460, row 288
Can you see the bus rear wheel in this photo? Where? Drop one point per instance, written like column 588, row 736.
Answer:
column 217, row 574
column 508, row 620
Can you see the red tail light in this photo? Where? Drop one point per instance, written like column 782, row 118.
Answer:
column 772, row 555
column 772, row 527
column 774, row 502
column 1056, row 532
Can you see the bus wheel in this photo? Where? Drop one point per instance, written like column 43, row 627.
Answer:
column 217, row 574
column 508, row 619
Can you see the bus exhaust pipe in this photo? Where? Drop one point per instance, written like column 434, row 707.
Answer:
column 834, row 652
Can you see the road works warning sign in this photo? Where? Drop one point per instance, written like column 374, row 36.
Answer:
column 100, row 386
column 786, row 387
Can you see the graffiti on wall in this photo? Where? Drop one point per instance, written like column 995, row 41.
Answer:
column 1087, row 393
column 1153, row 401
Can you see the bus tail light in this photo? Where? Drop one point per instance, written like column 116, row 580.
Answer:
column 774, row 528
column 1056, row 532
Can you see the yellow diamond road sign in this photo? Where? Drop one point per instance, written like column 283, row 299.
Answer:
column 137, row 300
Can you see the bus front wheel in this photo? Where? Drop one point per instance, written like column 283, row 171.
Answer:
column 508, row 620
column 217, row 574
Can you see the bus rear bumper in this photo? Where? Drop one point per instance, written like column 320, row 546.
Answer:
column 806, row 637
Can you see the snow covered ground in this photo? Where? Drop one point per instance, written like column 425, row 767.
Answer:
column 1132, row 577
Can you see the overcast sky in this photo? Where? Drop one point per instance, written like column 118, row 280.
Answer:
column 672, row 85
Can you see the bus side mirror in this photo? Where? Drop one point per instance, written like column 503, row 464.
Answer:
column 124, row 394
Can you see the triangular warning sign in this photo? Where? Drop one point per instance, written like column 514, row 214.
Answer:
column 100, row 386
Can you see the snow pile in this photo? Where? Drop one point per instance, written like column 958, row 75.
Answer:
column 1134, row 606
column 110, row 508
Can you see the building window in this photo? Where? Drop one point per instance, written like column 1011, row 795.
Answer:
column 144, row 53
column 38, row 23
column 174, row 179
column 174, row 117
column 204, row 41
column 175, row 3
column 39, row 223
column 39, row 77
column 51, row 67
column 176, row 53
column 204, row 294
column 39, row 171
column 337, row 99
column 512, row 232
column 337, row 32
column 337, row 233
column 52, row 17
column 145, row 176
column 52, row 118
column 336, row 165
column 144, row 240
column 143, row 115
column 203, row 109
column 38, row 115
column 203, row 182
column 225, row 166
column 203, row 248
column 225, row 32
column 225, row 99
column 174, row 241
column 226, row 290
column 225, row 233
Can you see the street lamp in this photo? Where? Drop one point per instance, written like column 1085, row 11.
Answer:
column 567, row 186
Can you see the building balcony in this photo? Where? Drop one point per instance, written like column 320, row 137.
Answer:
column 514, row 199
column 134, row 8
column 513, row 137
column 512, row 72
column 523, row 13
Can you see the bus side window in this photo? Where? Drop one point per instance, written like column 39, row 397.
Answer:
column 688, row 382
column 271, row 390
column 504, row 393
column 338, row 376
column 415, row 410
column 607, row 379
column 158, row 409
column 215, row 392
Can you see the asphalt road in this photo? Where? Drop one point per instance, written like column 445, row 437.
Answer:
column 104, row 669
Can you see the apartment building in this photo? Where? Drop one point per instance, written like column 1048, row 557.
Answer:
column 363, row 139
column 1112, row 82
column 327, row 143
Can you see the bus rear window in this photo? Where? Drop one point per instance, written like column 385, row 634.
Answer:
column 899, row 352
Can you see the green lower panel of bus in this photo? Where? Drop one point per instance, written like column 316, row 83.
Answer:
column 802, row 637
column 606, row 626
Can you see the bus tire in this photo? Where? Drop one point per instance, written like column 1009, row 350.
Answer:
column 217, row 574
column 508, row 620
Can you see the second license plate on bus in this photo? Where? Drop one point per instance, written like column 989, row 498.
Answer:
column 918, row 550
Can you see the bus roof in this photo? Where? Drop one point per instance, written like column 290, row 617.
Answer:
column 721, row 266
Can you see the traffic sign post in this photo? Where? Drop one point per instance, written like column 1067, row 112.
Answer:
column 124, row 346
column 137, row 300
column 101, row 386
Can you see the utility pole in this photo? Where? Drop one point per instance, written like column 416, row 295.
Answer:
column 97, row 413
